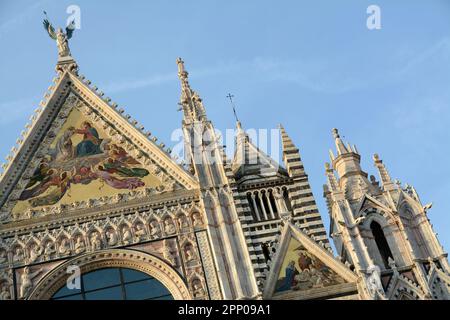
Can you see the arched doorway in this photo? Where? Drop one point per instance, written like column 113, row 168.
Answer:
column 120, row 270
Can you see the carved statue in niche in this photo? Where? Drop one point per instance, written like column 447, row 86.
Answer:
column 197, row 220
column 169, row 227
column 126, row 235
column 197, row 288
column 35, row 252
column 111, row 237
column 3, row 256
column 189, row 252
column 183, row 222
column 167, row 253
column 374, row 285
column 279, row 199
column 64, row 246
column 5, row 292
column 18, row 254
column 79, row 245
column 139, row 231
column 154, row 229
column 26, row 281
column 393, row 266
column 96, row 242
column 49, row 250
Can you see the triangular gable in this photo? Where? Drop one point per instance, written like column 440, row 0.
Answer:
column 439, row 283
column 369, row 201
column 302, row 266
column 402, row 288
column 80, row 146
column 403, row 198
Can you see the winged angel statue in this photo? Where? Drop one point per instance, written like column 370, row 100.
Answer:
column 60, row 37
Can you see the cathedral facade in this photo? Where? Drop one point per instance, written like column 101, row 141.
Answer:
column 93, row 207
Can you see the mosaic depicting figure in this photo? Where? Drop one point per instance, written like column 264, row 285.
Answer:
column 288, row 281
column 91, row 142
column 73, row 161
column 306, row 272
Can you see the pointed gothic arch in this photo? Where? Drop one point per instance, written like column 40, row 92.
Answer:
column 408, row 217
column 381, row 242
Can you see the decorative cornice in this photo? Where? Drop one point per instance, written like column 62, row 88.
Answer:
column 168, row 199
column 264, row 184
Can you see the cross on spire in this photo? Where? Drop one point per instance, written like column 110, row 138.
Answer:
column 230, row 96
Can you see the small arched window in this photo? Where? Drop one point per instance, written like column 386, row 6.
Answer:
column 286, row 199
column 273, row 203
column 252, row 207
column 382, row 244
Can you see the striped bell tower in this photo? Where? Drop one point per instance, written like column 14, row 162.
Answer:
column 301, row 199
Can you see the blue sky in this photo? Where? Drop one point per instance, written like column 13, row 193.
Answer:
column 311, row 65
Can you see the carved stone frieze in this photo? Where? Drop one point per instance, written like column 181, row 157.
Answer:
column 110, row 231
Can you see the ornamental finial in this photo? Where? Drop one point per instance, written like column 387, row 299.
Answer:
column 335, row 133
column 182, row 73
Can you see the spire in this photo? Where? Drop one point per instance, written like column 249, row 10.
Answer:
column 331, row 178
column 241, row 136
column 217, row 196
column 382, row 171
column 286, row 142
column 331, row 155
column 182, row 73
column 347, row 159
column 191, row 103
column 241, row 148
column 291, row 156
column 340, row 147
